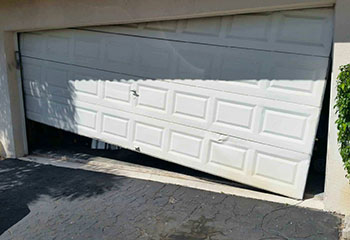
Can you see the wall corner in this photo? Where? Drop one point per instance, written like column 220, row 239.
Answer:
column 13, row 142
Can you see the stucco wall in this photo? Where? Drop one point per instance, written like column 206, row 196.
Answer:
column 23, row 15
column 337, row 193
column 6, row 134
column 12, row 129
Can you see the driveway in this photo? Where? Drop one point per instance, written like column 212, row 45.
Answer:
column 47, row 202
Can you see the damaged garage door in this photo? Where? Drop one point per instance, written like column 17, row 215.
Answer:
column 235, row 96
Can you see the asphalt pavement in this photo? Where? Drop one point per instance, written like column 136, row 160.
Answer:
column 47, row 202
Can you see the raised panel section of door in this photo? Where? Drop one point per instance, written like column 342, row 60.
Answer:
column 234, row 114
column 285, row 77
column 85, row 83
column 193, row 106
column 117, row 92
column 226, row 156
column 303, row 30
column 311, row 31
column 146, row 134
column 186, row 145
column 249, row 27
column 115, row 127
column 85, row 118
column 151, row 98
column 284, row 171
column 206, row 27
column 284, row 124
column 73, row 83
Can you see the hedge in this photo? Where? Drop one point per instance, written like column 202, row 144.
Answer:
column 342, row 107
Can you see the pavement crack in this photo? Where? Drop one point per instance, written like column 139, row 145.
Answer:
column 273, row 232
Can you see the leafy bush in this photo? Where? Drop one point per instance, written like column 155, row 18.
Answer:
column 342, row 106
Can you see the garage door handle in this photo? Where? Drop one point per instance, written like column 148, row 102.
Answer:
column 134, row 93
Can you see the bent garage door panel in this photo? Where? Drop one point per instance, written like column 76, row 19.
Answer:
column 236, row 96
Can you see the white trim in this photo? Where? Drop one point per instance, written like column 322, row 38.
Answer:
column 21, row 98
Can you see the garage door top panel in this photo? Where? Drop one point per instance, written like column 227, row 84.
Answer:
column 307, row 32
column 274, row 75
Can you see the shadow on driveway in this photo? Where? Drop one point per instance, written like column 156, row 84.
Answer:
column 22, row 183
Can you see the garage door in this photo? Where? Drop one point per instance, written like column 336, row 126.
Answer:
column 235, row 96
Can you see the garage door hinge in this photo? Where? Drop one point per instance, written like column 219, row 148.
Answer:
column 18, row 60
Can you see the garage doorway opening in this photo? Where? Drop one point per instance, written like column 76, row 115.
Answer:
column 242, row 103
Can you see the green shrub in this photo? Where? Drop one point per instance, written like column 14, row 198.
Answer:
column 342, row 106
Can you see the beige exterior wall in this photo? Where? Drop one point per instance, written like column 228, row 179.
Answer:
column 6, row 134
column 12, row 128
column 23, row 15
column 337, row 192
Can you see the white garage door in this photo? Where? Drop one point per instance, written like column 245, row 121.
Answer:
column 235, row 96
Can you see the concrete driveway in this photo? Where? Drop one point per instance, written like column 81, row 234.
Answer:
column 47, row 202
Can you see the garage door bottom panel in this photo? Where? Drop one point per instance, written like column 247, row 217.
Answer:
column 232, row 158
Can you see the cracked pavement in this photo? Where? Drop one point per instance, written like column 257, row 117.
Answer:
column 47, row 202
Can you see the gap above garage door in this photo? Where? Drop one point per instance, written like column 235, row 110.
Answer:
column 236, row 96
